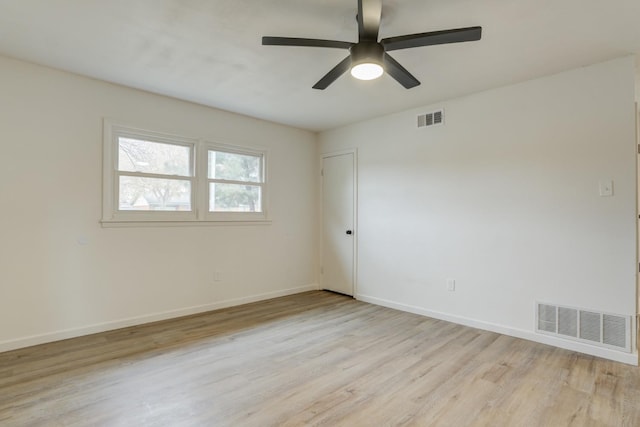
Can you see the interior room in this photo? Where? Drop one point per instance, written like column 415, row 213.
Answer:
column 208, row 220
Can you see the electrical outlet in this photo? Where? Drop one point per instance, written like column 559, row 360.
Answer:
column 216, row 276
column 451, row 285
column 606, row 188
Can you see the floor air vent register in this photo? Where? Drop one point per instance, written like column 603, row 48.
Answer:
column 588, row 326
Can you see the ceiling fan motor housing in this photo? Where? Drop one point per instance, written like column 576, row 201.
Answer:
column 366, row 52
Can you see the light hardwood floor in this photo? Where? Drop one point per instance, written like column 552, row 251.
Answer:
column 311, row 359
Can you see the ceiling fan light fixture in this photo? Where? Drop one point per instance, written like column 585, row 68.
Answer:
column 367, row 71
column 366, row 60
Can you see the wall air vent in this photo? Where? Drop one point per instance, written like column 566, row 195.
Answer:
column 588, row 326
column 568, row 322
column 547, row 318
column 431, row 119
column 613, row 330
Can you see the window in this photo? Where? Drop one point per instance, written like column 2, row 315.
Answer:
column 235, row 182
column 153, row 177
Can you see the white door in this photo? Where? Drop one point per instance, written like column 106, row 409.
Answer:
column 338, row 221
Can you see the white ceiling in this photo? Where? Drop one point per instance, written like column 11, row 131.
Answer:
column 209, row 51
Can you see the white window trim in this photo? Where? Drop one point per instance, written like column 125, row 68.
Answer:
column 205, row 180
column 199, row 215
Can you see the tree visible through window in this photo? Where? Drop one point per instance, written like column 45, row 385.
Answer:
column 235, row 182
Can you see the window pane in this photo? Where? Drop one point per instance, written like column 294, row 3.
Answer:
column 152, row 194
column 135, row 155
column 234, row 198
column 234, row 167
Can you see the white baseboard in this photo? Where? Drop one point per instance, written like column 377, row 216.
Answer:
column 147, row 318
column 618, row 356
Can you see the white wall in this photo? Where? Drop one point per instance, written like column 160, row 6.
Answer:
column 53, row 286
column 504, row 199
column 637, row 78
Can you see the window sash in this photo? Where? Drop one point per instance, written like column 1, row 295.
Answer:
column 153, row 137
column 259, row 155
column 230, row 181
column 258, row 204
column 159, row 141
column 190, row 180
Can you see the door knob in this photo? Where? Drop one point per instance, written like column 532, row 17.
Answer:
column 349, row 232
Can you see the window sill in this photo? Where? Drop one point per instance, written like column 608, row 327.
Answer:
column 209, row 223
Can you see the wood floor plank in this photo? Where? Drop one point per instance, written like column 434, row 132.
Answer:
column 316, row 359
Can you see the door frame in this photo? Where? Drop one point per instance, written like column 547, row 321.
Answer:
column 636, row 336
column 354, row 152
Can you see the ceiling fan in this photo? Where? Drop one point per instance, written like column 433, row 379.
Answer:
column 368, row 59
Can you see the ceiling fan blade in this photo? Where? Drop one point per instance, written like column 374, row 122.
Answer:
column 332, row 75
column 369, row 14
column 432, row 38
column 295, row 41
column 398, row 72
